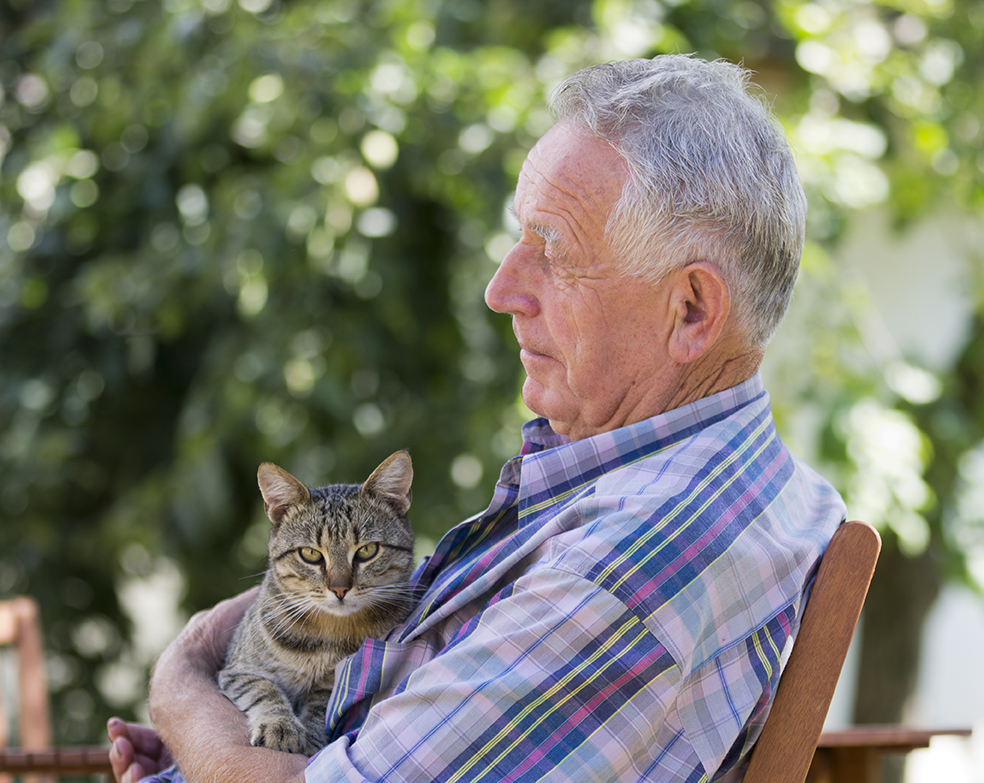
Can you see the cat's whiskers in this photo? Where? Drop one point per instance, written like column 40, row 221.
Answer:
column 391, row 592
column 299, row 608
column 389, row 601
column 289, row 613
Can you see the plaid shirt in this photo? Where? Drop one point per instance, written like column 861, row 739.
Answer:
column 621, row 611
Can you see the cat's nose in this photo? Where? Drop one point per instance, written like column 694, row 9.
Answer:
column 339, row 591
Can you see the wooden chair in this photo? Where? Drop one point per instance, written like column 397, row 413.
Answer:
column 786, row 747
column 20, row 633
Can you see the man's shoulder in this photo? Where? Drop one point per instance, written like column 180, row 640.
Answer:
column 705, row 541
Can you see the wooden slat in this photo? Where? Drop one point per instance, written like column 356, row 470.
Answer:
column 61, row 761
column 34, row 724
column 888, row 738
column 8, row 623
column 8, row 635
column 785, row 749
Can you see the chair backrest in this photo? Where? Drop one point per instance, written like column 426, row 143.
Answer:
column 20, row 640
column 785, row 749
column 20, row 632
column 34, row 760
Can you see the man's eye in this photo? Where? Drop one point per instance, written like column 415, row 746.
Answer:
column 310, row 555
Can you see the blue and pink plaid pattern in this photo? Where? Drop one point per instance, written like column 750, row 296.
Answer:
column 621, row 612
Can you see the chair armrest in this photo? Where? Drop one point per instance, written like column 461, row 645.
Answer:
column 888, row 739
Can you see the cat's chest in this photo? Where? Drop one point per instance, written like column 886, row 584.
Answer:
column 299, row 672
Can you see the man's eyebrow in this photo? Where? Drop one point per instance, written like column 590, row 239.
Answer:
column 549, row 234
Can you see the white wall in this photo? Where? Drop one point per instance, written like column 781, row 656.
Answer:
column 921, row 288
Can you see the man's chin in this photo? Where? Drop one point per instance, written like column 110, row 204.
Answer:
column 546, row 405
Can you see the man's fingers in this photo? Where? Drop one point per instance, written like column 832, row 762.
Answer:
column 146, row 742
column 128, row 766
column 134, row 773
column 120, row 757
column 141, row 739
column 116, row 728
column 136, row 751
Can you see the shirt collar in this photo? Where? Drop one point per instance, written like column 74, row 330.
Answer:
column 554, row 467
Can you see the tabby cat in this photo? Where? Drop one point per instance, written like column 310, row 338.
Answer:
column 339, row 569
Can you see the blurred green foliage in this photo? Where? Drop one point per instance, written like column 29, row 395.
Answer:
column 260, row 230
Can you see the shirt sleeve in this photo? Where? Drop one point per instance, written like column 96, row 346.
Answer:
column 527, row 691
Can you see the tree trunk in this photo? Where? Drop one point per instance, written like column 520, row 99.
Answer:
column 901, row 595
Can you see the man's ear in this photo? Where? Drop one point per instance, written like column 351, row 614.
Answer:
column 701, row 302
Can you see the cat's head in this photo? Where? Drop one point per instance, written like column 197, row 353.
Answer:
column 344, row 549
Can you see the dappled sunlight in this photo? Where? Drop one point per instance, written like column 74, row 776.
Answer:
column 889, row 454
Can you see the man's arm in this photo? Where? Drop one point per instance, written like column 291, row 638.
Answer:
column 525, row 691
column 205, row 732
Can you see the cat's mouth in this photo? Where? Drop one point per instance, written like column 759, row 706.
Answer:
column 340, row 607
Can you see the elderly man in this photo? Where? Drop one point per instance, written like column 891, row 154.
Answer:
column 623, row 608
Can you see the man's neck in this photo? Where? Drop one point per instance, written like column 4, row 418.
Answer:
column 708, row 376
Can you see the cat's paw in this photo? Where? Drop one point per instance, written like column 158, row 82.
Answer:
column 286, row 735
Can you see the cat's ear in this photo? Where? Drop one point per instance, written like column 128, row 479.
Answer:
column 280, row 491
column 391, row 481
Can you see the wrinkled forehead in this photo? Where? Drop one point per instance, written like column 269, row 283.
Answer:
column 570, row 182
column 577, row 160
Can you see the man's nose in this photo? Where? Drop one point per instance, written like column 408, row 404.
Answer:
column 510, row 290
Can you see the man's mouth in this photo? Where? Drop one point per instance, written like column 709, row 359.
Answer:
column 527, row 348
column 526, row 352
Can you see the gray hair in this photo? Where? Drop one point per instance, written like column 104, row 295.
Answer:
column 711, row 177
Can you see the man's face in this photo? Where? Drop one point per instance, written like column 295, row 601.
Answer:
column 593, row 343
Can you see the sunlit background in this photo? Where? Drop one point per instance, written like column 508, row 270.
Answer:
column 260, row 230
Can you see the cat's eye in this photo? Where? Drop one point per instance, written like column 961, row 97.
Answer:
column 310, row 555
column 366, row 552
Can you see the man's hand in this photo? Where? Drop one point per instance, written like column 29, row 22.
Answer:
column 137, row 751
